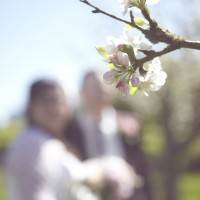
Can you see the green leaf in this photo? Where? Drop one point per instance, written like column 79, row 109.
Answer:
column 139, row 21
column 142, row 3
column 101, row 50
column 138, row 3
column 135, row 3
column 132, row 90
column 111, row 66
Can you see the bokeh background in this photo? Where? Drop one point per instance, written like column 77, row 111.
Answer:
column 57, row 39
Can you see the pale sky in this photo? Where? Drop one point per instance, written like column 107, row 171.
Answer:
column 54, row 38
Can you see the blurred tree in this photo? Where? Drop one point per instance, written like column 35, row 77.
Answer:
column 8, row 133
column 171, row 124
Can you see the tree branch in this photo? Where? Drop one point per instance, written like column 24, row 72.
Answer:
column 98, row 10
column 192, row 137
column 154, row 34
column 153, row 54
column 150, row 55
column 190, row 44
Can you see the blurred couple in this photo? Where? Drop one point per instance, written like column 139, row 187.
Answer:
column 82, row 156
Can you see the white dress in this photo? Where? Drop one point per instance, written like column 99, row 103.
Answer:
column 40, row 168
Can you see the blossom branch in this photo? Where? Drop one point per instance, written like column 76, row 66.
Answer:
column 127, row 69
column 100, row 11
column 151, row 54
column 190, row 44
column 155, row 33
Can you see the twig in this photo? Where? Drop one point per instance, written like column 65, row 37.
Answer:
column 150, row 55
column 154, row 34
column 190, row 44
column 131, row 17
column 98, row 10
column 153, row 54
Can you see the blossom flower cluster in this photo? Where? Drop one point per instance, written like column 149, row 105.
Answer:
column 122, row 55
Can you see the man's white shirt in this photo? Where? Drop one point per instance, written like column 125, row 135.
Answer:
column 106, row 130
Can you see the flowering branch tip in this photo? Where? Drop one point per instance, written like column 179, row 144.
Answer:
column 130, row 71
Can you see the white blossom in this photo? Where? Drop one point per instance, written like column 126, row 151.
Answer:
column 126, row 4
column 119, row 61
column 134, row 41
column 112, row 45
column 122, row 73
column 155, row 77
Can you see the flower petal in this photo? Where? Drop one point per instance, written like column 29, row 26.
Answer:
column 109, row 76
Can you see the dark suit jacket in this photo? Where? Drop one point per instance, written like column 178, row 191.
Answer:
column 133, row 152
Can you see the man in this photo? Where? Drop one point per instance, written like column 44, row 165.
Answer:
column 99, row 130
column 89, row 131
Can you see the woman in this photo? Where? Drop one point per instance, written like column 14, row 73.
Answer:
column 39, row 167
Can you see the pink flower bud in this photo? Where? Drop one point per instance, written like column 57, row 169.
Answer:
column 109, row 76
column 123, row 87
column 120, row 58
column 114, row 59
column 120, row 46
column 135, row 81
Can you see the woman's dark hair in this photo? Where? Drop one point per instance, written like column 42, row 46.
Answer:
column 39, row 87
column 37, row 91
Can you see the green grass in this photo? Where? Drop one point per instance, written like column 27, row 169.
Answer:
column 2, row 186
column 189, row 187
